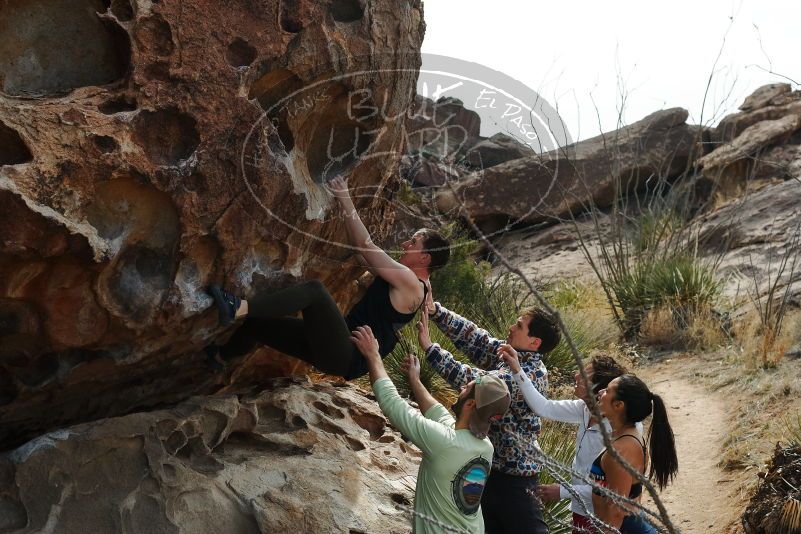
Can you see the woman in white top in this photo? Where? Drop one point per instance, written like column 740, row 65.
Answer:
column 589, row 442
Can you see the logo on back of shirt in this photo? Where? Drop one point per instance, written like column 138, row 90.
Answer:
column 468, row 485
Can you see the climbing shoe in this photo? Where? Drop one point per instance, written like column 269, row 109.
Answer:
column 227, row 304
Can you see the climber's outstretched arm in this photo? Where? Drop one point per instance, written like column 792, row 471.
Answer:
column 378, row 261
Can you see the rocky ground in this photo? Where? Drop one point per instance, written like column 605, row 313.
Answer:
column 296, row 457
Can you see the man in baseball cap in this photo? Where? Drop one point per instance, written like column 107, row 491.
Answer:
column 492, row 399
column 457, row 455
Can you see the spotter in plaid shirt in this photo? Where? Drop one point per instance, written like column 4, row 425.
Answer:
column 515, row 436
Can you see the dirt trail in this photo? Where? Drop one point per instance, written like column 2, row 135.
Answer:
column 699, row 499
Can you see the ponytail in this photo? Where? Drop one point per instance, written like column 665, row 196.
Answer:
column 640, row 403
column 662, row 446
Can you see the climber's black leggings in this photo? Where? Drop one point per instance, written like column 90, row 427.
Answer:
column 321, row 337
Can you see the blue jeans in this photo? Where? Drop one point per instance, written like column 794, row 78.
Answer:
column 636, row 524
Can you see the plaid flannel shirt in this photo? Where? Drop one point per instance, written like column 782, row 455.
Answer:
column 515, row 435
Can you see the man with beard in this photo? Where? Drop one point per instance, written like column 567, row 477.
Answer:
column 456, row 453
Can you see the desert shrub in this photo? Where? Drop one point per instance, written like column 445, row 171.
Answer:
column 647, row 256
column 769, row 340
column 462, row 282
column 761, row 343
column 586, row 317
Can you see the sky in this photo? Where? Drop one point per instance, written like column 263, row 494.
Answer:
column 624, row 58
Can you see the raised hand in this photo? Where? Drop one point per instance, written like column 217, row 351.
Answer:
column 510, row 356
column 411, row 367
column 365, row 341
column 338, row 186
column 430, row 308
column 423, row 335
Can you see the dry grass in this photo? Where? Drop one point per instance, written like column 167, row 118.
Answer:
column 761, row 346
column 699, row 331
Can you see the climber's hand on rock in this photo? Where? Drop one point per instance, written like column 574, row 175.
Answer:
column 366, row 342
column 338, row 186
column 411, row 367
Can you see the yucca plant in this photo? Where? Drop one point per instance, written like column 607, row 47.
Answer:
column 649, row 257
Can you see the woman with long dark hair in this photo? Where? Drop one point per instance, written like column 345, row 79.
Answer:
column 624, row 403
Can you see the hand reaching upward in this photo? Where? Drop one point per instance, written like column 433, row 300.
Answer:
column 411, row 367
column 366, row 342
column 423, row 335
column 338, row 186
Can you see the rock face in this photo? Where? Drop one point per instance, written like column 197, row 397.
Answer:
column 756, row 228
column 542, row 187
column 757, row 231
column 444, row 128
column 762, row 141
column 149, row 148
column 295, row 458
column 495, row 150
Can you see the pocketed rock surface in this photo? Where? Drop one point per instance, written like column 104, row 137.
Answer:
column 150, row 148
column 298, row 457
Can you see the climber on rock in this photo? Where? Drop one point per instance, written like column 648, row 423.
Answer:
column 457, row 454
column 322, row 336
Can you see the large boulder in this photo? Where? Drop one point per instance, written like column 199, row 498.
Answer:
column 496, row 150
column 761, row 141
column 769, row 102
column 149, row 148
column 542, row 187
column 299, row 457
column 443, row 128
column 756, row 231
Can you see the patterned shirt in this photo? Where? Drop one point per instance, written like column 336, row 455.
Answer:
column 515, row 436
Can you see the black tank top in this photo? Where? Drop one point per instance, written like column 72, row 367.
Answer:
column 376, row 311
column 598, row 474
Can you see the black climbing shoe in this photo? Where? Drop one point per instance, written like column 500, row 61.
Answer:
column 227, row 304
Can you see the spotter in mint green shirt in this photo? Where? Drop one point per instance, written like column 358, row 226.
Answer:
column 454, row 468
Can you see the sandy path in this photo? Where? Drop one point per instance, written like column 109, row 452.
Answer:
column 699, row 499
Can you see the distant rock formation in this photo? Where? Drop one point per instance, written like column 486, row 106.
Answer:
column 296, row 458
column 762, row 141
column 137, row 165
column 541, row 187
column 443, row 143
column 759, row 148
